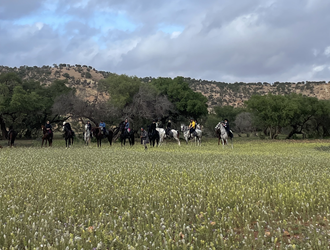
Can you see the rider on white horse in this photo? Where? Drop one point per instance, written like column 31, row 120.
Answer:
column 89, row 125
column 226, row 126
column 192, row 127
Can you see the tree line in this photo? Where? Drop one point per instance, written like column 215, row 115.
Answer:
column 273, row 115
column 27, row 105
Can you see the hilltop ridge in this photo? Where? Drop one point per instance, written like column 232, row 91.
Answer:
column 85, row 79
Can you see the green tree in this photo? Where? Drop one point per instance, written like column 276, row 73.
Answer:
column 272, row 112
column 121, row 88
column 186, row 101
column 26, row 104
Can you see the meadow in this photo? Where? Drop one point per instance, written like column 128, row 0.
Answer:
column 260, row 195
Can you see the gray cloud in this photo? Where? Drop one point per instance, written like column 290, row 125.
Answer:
column 256, row 40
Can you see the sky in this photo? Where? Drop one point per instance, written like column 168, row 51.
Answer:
column 215, row 40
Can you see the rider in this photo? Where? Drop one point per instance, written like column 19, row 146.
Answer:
column 126, row 126
column 89, row 126
column 152, row 128
column 192, row 126
column 168, row 127
column 67, row 125
column 102, row 126
column 226, row 126
column 48, row 127
column 144, row 138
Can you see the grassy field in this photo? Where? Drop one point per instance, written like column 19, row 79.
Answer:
column 260, row 195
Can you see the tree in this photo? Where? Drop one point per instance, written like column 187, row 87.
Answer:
column 273, row 112
column 243, row 122
column 228, row 112
column 147, row 104
column 26, row 104
column 303, row 110
column 121, row 88
column 186, row 102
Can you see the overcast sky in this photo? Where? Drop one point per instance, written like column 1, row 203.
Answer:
column 221, row 40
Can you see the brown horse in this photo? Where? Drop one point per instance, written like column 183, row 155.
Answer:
column 11, row 136
column 46, row 136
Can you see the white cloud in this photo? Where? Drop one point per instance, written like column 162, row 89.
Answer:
column 253, row 40
column 327, row 51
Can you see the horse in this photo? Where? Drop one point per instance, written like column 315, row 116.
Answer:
column 46, row 137
column 153, row 137
column 218, row 134
column 224, row 135
column 97, row 133
column 197, row 135
column 68, row 135
column 87, row 135
column 173, row 133
column 126, row 135
column 11, row 137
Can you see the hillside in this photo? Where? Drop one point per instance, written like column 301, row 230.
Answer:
column 85, row 79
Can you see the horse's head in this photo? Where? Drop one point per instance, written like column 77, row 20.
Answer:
column 218, row 126
column 182, row 127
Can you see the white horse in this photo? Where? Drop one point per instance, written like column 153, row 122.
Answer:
column 87, row 135
column 162, row 134
column 197, row 135
column 224, row 135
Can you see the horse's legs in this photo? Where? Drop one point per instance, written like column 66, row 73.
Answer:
column 177, row 139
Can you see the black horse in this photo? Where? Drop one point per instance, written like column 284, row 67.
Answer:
column 68, row 134
column 97, row 133
column 126, row 135
column 11, row 136
column 153, row 136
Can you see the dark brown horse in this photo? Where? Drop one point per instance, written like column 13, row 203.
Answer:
column 46, row 136
column 68, row 134
column 11, row 136
column 97, row 133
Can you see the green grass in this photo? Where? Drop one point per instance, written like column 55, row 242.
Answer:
column 261, row 195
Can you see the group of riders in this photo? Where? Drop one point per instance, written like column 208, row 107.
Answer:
column 151, row 131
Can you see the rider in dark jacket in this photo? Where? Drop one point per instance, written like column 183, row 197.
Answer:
column 226, row 126
column 67, row 125
column 48, row 127
column 152, row 128
column 89, row 125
